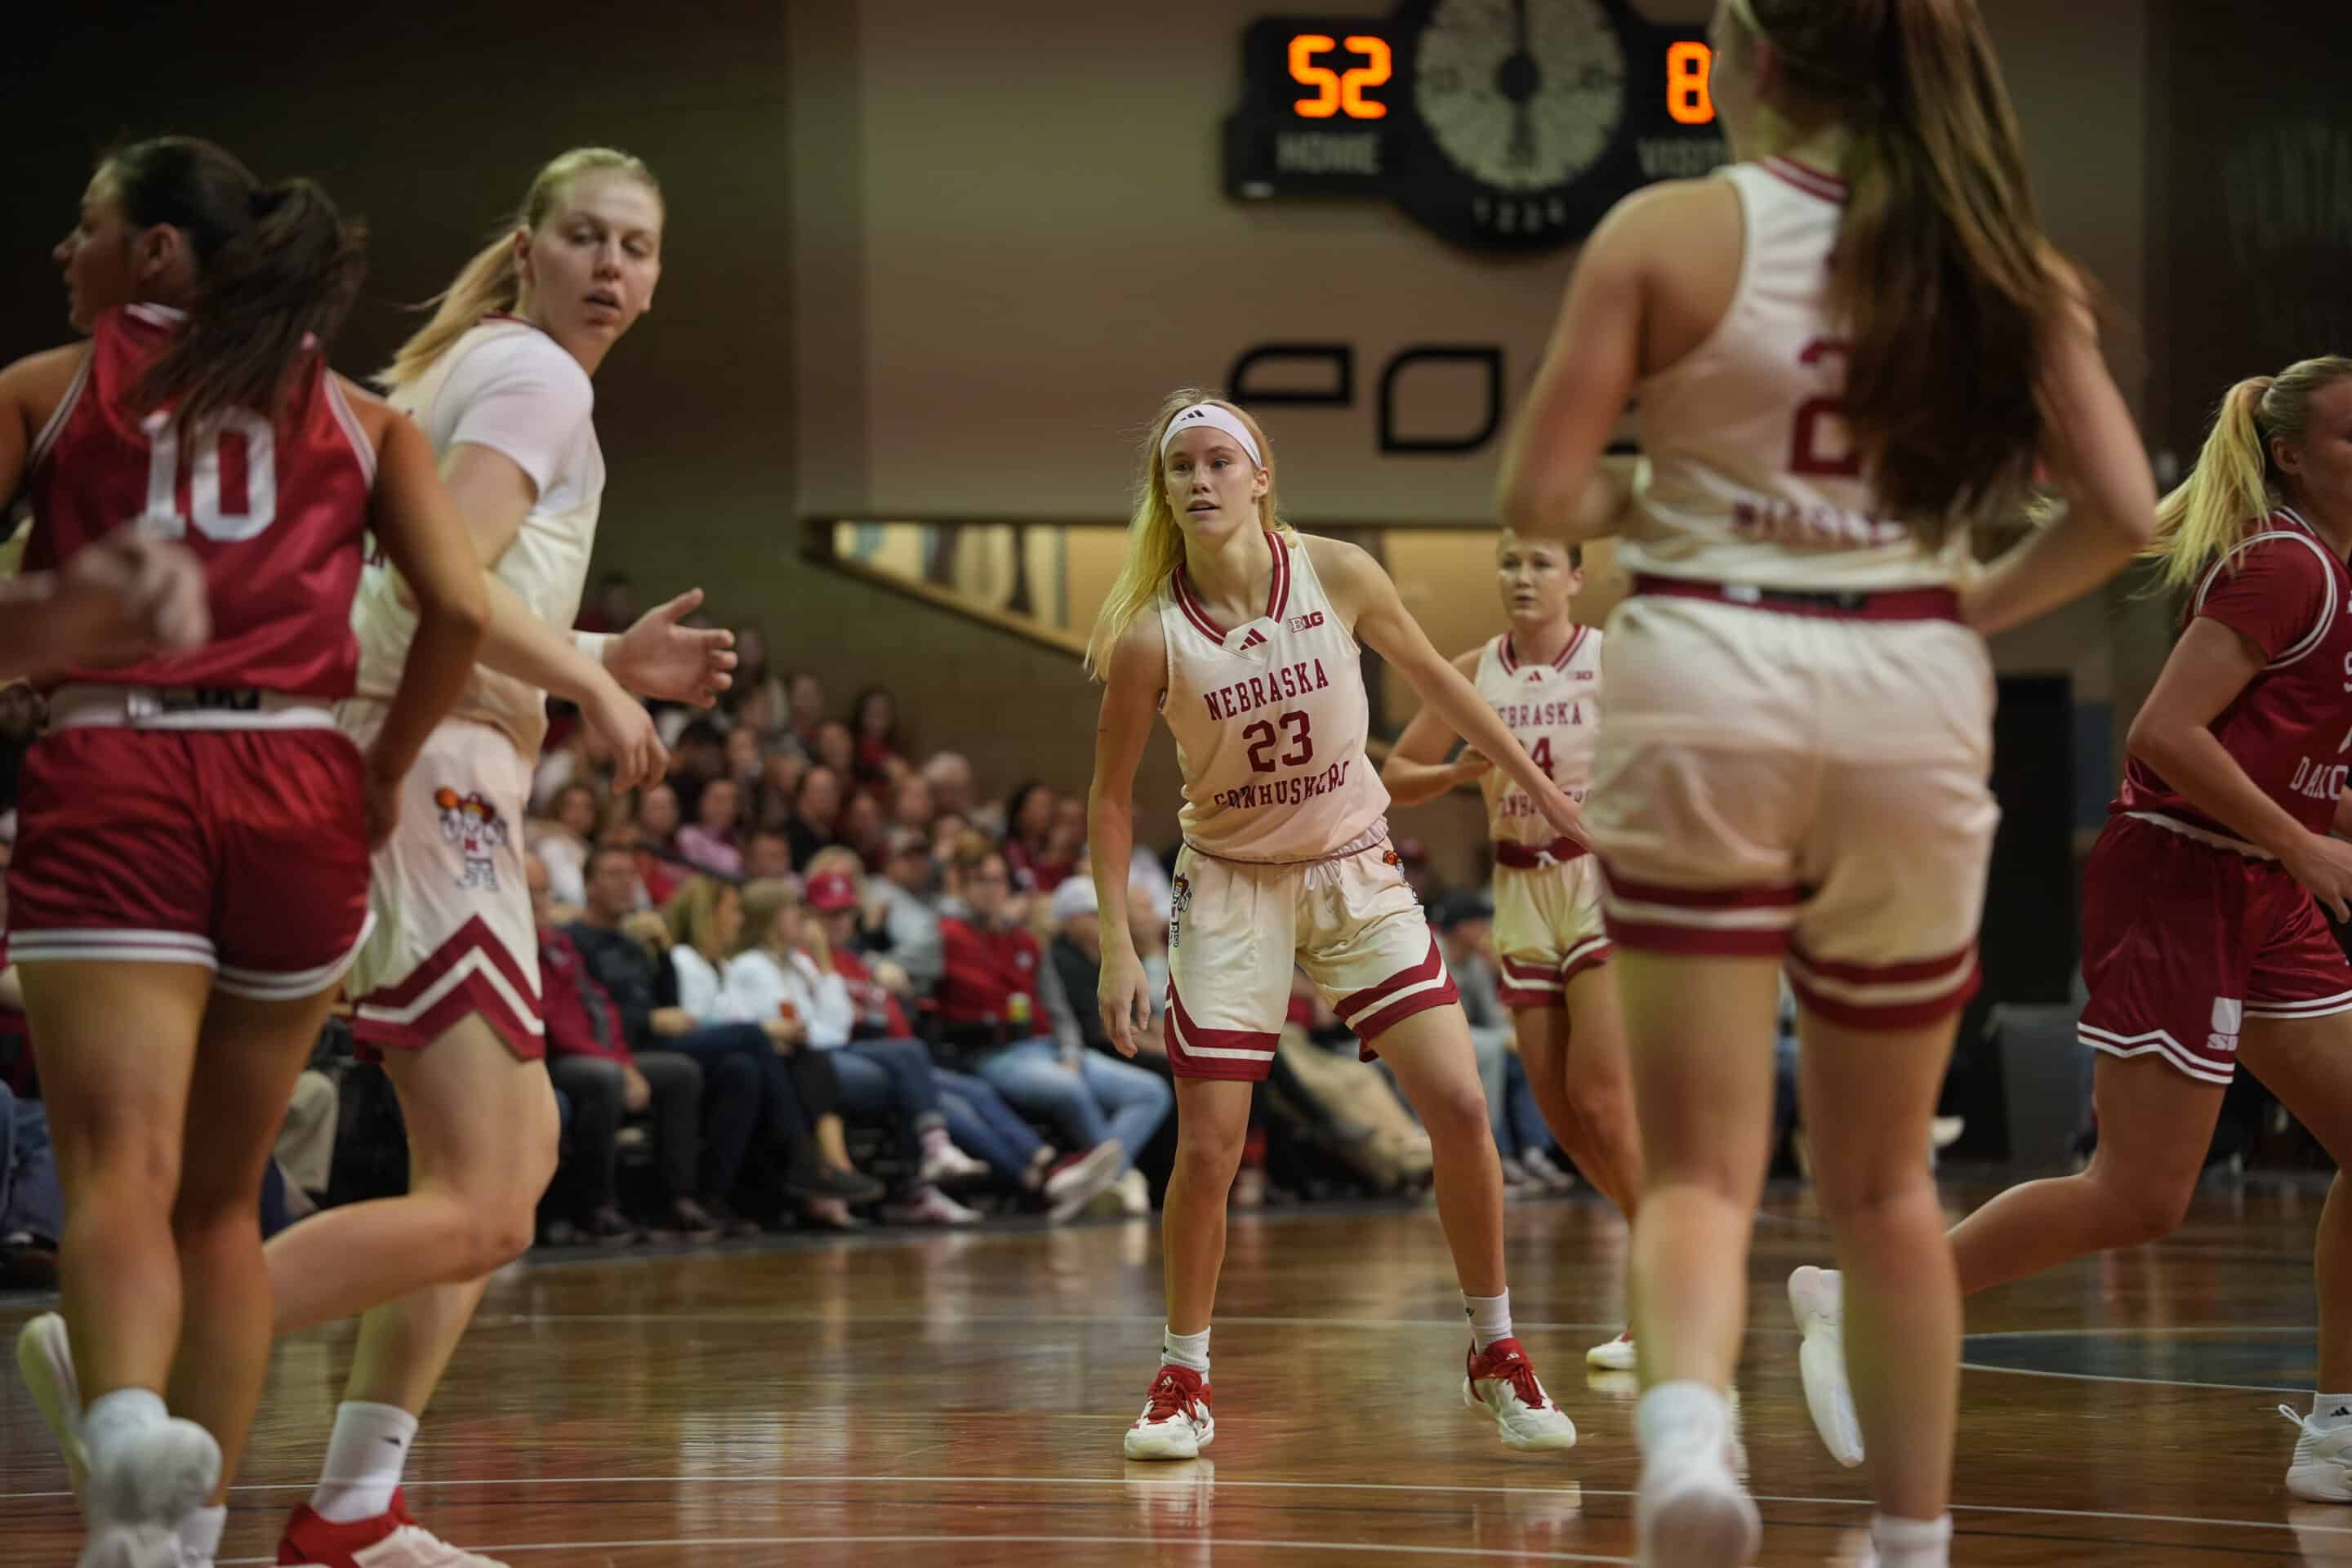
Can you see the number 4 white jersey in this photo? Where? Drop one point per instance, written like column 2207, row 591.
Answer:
column 1554, row 710
column 1753, row 475
column 1269, row 719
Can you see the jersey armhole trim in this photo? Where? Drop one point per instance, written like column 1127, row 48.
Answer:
column 353, row 431
column 66, row 405
column 2329, row 609
column 1721, row 332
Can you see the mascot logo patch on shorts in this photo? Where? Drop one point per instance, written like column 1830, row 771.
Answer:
column 1179, row 898
column 472, row 823
column 1390, row 858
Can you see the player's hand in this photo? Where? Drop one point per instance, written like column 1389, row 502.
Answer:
column 1565, row 816
column 1472, row 767
column 2323, row 865
column 383, row 784
column 1125, row 998
column 131, row 595
column 636, row 1092
column 627, row 729
column 658, row 657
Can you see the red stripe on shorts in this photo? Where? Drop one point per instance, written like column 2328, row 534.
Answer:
column 1905, row 1009
column 1375, row 1010
column 1187, row 1039
column 475, row 948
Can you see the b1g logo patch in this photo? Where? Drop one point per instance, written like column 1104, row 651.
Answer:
column 472, row 823
column 1179, row 898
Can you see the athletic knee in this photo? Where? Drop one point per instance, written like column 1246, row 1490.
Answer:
column 2139, row 1212
column 120, row 1161
column 1456, row 1112
column 1210, row 1154
column 1606, row 1108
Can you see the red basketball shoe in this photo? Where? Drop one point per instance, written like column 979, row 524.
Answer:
column 390, row 1539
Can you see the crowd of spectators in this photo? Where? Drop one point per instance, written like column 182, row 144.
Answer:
column 816, row 978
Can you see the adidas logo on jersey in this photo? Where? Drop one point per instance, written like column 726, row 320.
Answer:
column 1256, row 638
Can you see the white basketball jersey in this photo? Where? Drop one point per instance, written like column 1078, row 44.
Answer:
column 1554, row 710
column 1753, row 476
column 546, row 565
column 1269, row 719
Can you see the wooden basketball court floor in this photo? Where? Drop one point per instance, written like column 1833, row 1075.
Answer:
column 905, row 1398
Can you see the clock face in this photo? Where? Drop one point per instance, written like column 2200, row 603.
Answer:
column 1521, row 95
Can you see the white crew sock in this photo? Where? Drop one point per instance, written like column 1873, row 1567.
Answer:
column 200, row 1535
column 1490, row 1318
column 1911, row 1542
column 364, row 1459
column 2329, row 1411
column 1676, row 1413
column 110, row 1418
column 1185, row 1350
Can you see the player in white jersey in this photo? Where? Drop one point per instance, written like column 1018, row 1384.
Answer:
column 1843, row 350
column 447, row 986
column 1245, row 637
column 1542, row 677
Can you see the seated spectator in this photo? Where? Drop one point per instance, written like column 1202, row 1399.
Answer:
column 588, row 1057
column 305, row 1143
column 834, row 748
column 697, row 756
column 862, row 828
column 708, row 844
column 657, row 862
column 1076, row 955
column 1465, row 924
column 745, row 762
column 949, row 774
column 757, row 700
column 998, row 998
column 1029, row 850
column 816, row 813
column 902, row 916
column 32, row 1208
column 705, row 928
column 767, row 852
column 910, row 803
column 751, row 1100
column 804, row 696
column 579, row 758
column 563, row 840
column 873, row 722
column 780, row 782
column 949, row 828
column 783, row 963
column 612, row 607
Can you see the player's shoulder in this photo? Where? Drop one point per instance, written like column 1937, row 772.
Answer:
column 43, row 379
column 2281, row 546
column 1337, row 558
column 503, row 352
column 1142, row 651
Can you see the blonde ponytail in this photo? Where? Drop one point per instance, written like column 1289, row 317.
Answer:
column 2235, row 483
column 492, row 280
column 1155, row 540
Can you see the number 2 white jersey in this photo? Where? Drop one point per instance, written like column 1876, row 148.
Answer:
column 1554, row 711
column 510, row 387
column 1269, row 719
column 1753, row 476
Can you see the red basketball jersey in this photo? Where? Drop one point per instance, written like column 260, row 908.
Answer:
column 2285, row 592
column 275, row 510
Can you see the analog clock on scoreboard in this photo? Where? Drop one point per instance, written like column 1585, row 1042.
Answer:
column 1511, row 124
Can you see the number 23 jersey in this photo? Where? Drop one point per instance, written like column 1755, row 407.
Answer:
column 1269, row 719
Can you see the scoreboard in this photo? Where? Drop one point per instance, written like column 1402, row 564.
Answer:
column 1505, row 124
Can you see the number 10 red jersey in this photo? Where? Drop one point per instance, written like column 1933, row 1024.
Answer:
column 277, row 511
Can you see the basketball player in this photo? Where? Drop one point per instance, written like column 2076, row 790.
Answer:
column 1542, row 677
column 1246, row 635
column 2204, row 943
column 120, row 599
column 1846, row 349
column 190, row 880
column 447, row 989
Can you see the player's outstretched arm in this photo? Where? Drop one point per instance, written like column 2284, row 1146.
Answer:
column 1417, row 769
column 1132, row 687
column 1363, row 592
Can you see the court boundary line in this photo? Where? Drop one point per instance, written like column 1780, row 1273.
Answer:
column 1130, row 1541
column 1187, row 1483
column 2142, row 1382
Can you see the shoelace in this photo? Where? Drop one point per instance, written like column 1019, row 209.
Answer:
column 1170, row 1398
column 1520, row 1374
column 2336, row 1445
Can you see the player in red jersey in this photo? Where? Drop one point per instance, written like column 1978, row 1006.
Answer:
column 192, row 873
column 2203, row 945
column 1543, row 678
column 1844, row 350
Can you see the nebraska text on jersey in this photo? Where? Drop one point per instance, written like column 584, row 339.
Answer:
column 1246, row 696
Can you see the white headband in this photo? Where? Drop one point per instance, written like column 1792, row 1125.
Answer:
column 1211, row 416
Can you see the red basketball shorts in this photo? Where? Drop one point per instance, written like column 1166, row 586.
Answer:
column 244, row 850
column 2184, row 940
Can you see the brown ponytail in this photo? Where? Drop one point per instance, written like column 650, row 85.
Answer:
column 1948, row 286
column 276, row 267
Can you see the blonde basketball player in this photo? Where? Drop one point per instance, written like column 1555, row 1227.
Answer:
column 1246, row 637
column 447, row 988
column 1844, row 350
column 1542, row 677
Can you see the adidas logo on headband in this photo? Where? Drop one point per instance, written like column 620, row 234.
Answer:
column 1214, row 417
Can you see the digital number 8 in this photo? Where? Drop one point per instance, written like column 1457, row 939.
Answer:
column 1690, row 94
